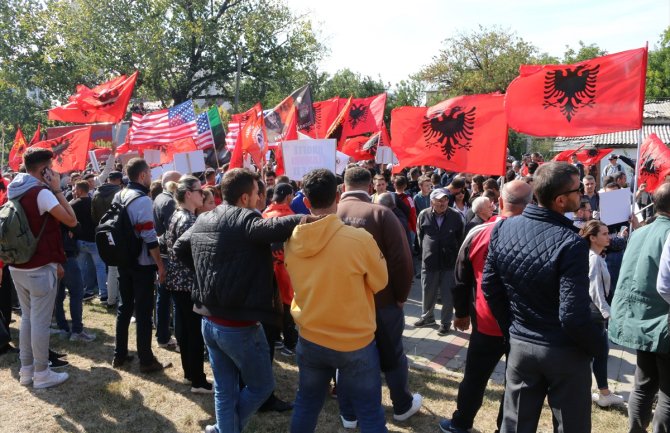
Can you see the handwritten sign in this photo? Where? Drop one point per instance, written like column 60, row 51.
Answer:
column 303, row 156
column 189, row 162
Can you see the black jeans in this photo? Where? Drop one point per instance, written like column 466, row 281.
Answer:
column 652, row 375
column 6, row 288
column 136, row 287
column 288, row 328
column 189, row 336
column 484, row 352
column 561, row 374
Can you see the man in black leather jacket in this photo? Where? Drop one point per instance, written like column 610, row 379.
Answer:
column 537, row 286
column 229, row 248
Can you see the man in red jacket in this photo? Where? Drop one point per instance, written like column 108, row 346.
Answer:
column 487, row 344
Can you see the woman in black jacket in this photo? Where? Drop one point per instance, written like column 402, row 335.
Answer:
column 179, row 282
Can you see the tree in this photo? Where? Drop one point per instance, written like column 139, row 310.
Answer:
column 585, row 52
column 347, row 83
column 658, row 69
column 482, row 61
column 183, row 48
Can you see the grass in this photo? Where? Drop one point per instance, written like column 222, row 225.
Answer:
column 98, row 398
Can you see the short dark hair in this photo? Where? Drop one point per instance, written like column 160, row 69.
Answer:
column 35, row 156
column 320, row 187
column 236, row 182
column 357, row 177
column 612, row 185
column 261, row 186
column 458, row 182
column 135, row 167
column 662, row 198
column 532, row 167
column 270, row 173
column 491, row 184
column 400, row 181
column 89, row 176
column 552, row 179
column 618, row 175
column 83, row 186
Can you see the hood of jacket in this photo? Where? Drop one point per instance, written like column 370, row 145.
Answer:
column 20, row 185
column 107, row 189
column 309, row 239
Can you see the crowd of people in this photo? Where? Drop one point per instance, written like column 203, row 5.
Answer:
column 242, row 265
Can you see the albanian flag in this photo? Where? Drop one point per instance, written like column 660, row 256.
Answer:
column 596, row 96
column 466, row 133
column 325, row 113
column 70, row 150
column 335, row 128
column 251, row 140
column 106, row 102
column 654, row 162
column 585, row 156
column 364, row 115
column 179, row 146
column 18, row 149
column 37, row 135
column 360, row 148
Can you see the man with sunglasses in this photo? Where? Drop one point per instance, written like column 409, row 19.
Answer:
column 537, row 285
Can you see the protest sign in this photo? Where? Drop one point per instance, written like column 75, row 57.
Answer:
column 341, row 162
column 385, row 155
column 94, row 161
column 615, row 206
column 128, row 156
column 152, row 157
column 303, row 156
column 190, row 162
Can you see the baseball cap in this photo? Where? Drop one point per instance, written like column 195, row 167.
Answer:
column 613, row 156
column 281, row 191
column 438, row 193
column 116, row 175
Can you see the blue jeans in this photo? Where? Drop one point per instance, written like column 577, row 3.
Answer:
column 359, row 384
column 71, row 280
column 234, row 353
column 89, row 250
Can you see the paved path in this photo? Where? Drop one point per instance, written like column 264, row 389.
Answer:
column 427, row 350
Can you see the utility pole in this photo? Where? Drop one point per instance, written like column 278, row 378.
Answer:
column 237, row 81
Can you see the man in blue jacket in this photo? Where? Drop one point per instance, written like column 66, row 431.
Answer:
column 537, row 286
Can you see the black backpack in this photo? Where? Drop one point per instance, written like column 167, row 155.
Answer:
column 115, row 237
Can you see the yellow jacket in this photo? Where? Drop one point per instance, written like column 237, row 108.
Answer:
column 335, row 270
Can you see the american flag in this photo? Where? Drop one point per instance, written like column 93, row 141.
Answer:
column 163, row 126
column 231, row 136
column 204, row 139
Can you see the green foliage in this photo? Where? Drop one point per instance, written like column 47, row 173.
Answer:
column 658, row 69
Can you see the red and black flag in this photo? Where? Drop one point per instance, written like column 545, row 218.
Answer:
column 37, row 136
column 364, row 115
column 251, row 140
column 466, row 133
column 18, row 149
column 70, row 150
column 335, row 128
column 106, row 102
column 654, row 162
column 325, row 113
column 596, row 96
column 585, row 156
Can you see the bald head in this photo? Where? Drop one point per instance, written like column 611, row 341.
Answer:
column 386, row 199
column 170, row 176
column 515, row 196
column 662, row 199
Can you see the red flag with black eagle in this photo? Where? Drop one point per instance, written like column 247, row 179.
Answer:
column 70, row 150
column 364, row 115
column 18, row 149
column 585, row 156
column 654, row 162
column 596, row 96
column 335, row 128
column 106, row 102
column 292, row 122
column 325, row 113
column 462, row 134
column 251, row 139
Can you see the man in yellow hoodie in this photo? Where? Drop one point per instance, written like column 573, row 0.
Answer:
column 335, row 270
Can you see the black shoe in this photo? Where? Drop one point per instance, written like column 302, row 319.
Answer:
column 154, row 366
column 443, row 330
column 55, row 363
column 424, row 322
column 118, row 362
column 88, row 296
column 8, row 349
column 204, row 388
column 56, row 355
column 275, row 405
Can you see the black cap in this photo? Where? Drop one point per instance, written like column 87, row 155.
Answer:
column 115, row 175
column 281, row 191
column 209, row 171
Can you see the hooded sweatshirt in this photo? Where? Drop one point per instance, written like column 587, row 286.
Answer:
column 335, row 270
column 21, row 184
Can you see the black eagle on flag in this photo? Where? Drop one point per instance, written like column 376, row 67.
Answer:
column 571, row 89
column 451, row 130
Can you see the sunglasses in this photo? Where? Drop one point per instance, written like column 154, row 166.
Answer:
column 566, row 193
column 196, row 190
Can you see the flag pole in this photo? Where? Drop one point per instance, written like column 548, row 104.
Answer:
column 636, row 176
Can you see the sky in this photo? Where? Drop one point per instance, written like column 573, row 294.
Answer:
column 393, row 39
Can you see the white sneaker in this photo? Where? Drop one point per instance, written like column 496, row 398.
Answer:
column 349, row 424
column 610, row 399
column 417, row 401
column 26, row 375
column 211, row 429
column 82, row 336
column 48, row 378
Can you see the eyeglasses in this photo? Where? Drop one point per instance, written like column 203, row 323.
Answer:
column 567, row 192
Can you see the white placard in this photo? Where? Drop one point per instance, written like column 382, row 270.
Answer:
column 190, row 162
column 152, row 156
column 94, row 161
column 615, row 206
column 127, row 157
column 341, row 162
column 303, row 156
column 157, row 172
column 385, row 155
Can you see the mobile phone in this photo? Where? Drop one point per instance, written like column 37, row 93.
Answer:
column 46, row 174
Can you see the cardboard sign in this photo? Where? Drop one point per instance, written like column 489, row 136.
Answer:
column 303, row 156
column 158, row 171
column 341, row 162
column 615, row 206
column 385, row 155
column 152, row 157
column 190, row 162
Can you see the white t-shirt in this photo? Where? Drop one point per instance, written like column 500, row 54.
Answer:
column 46, row 200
